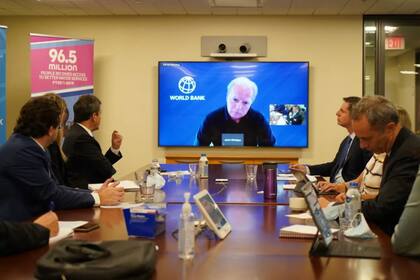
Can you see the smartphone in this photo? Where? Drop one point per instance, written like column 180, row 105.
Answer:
column 86, row 227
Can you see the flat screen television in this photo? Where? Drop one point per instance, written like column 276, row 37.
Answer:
column 233, row 104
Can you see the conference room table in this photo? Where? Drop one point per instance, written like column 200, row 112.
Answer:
column 253, row 250
column 236, row 190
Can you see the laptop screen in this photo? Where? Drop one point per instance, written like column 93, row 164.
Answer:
column 317, row 214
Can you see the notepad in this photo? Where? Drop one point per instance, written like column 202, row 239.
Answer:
column 299, row 231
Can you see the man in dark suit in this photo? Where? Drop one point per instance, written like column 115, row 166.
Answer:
column 27, row 185
column 85, row 162
column 376, row 123
column 19, row 237
column 350, row 159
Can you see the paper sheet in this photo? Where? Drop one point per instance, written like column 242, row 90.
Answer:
column 301, row 216
column 286, row 177
column 289, row 186
column 123, row 205
column 304, row 230
column 126, row 184
column 65, row 230
column 175, row 173
column 291, row 177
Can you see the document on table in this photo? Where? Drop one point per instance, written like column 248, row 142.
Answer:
column 123, row 205
column 300, row 231
column 289, row 187
column 65, row 230
column 301, row 216
column 286, row 177
column 126, row 184
column 291, row 177
column 175, row 173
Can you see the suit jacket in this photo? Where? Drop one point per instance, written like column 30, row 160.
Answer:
column 355, row 162
column 26, row 185
column 85, row 162
column 18, row 237
column 58, row 164
column 397, row 181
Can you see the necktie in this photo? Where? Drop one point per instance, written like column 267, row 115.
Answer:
column 343, row 153
column 341, row 157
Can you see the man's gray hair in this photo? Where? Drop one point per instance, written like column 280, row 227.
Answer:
column 246, row 82
column 378, row 110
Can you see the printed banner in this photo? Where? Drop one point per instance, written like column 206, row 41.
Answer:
column 63, row 66
column 3, row 30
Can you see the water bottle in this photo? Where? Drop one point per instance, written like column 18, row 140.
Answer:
column 353, row 204
column 203, row 166
column 186, row 236
column 155, row 164
column 270, row 180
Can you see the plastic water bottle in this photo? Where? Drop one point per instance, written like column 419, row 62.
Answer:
column 353, row 202
column 186, row 236
column 155, row 164
column 203, row 166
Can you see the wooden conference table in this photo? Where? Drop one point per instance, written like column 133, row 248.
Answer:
column 251, row 251
column 237, row 190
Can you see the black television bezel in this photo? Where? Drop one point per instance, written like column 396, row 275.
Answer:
column 231, row 147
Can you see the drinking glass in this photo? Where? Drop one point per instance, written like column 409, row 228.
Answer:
column 146, row 193
column 251, row 171
column 193, row 169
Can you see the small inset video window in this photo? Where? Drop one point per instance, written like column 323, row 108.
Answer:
column 287, row 114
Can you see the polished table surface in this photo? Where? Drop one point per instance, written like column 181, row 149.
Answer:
column 251, row 251
column 237, row 190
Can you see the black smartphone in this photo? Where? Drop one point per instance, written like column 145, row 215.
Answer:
column 86, row 227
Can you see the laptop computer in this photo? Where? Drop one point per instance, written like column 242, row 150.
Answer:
column 323, row 244
column 302, row 179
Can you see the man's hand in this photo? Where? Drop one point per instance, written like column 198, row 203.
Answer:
column 323, row 202
column 341, row 198
column 300, row 167
column 110, row 194
column 116, row 140
column 50, row 221
column 325, row 186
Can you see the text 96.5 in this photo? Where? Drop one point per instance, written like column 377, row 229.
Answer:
column 60, row 57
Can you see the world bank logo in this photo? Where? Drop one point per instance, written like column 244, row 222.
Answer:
column 186, row 84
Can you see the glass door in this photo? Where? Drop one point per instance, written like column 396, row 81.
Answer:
column 392, row 62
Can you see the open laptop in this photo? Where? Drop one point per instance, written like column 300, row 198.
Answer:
column 324, row 245
column 302, row 179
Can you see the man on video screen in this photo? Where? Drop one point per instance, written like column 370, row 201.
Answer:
column 237, row 118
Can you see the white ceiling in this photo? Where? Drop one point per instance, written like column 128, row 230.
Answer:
column 205, row 7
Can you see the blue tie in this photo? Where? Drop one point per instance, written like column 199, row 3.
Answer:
column 342, row 157
column 343, row 153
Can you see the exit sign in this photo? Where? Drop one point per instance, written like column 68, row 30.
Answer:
column 394, row 43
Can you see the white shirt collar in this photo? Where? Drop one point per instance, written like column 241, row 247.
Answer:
column 42, row 147
column 352, row 135
column 87, row 129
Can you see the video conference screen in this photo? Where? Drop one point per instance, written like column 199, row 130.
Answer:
column 235, row 104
